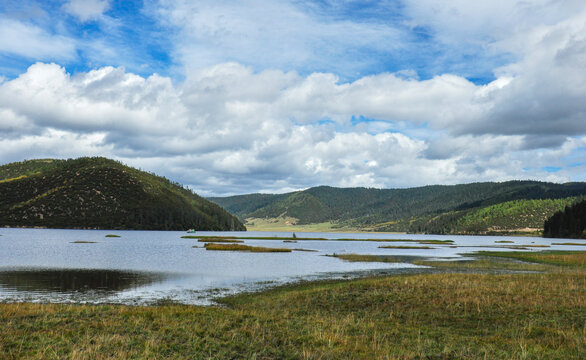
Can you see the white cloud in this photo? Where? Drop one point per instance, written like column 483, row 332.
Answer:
column 228, row 129
column 271, row 34
column 34, row 42
column 86, row 9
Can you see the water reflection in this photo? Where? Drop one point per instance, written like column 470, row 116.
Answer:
column 75, row 280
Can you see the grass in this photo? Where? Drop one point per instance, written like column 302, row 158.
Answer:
column 288, row 224
column 482, row 263
column 259, row 238
column 431, row 316
column 423, row 316
column 112, row 236
column 83, row 242
column 570, row 243
column 436, row 242
column 367, row 258
column 504, row 241
column 237, row 247
column 576, row 259
column 220, row 240
column 404, row 247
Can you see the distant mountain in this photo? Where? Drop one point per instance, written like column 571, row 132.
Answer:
column 468, row 208
column 569, row 223
column 99, row 193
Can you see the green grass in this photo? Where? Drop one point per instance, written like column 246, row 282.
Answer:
column 367, row 258
column 561, row 258
column 486, row 264
column 83, row 242
column 258, row 238
column 237, row 247
column 112, row 236
column 404, row 247
column 431, row 316
column 570, row 243
column 220, row 240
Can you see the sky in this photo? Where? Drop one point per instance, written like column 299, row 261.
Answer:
column 234, row 97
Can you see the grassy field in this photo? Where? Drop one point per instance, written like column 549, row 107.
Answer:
column 288, row 224
column 424, row 316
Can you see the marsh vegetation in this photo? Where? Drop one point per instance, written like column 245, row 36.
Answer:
column 433, row 316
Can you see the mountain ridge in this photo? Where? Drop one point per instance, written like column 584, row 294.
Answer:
column 100, row 193
column 431, row 208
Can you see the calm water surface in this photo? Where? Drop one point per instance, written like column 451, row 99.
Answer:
column 145, row 267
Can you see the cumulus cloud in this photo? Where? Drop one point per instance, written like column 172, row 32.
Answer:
column 86, row 9
column 228, row 129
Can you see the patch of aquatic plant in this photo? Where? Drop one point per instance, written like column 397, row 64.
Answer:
column 112, row 236
column 308, row 250
column 83, row 242
column 485, row 264
column 404, row 247
column 418, row 241
column 537, row 246
column 553, row 257
column 367, row 258
column 261, row 237
column 289, row 241
column 220, row 240
column 570, row 244
column 505, row 241
column 208, row 237
column 436, row 242
column 238, row 247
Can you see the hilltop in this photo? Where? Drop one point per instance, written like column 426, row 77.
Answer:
column 477, row 208
column 100, row 193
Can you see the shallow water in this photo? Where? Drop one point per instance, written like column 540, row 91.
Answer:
column 145, row 267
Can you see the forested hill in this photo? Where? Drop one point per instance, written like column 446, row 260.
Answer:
column 99, row 193
column 467, row 208
column 569, row 223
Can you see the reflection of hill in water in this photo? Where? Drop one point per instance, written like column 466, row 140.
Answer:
column 75, row 280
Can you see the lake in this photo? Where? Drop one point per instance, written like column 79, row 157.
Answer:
column 147, row 267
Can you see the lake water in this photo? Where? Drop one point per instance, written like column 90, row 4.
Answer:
column 146, row 267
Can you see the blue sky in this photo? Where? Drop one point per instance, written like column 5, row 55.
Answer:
column 271, row 96
column 144, row 43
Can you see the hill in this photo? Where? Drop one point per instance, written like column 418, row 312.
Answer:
column 569, row 223
column 99, row 193
column 468, row 208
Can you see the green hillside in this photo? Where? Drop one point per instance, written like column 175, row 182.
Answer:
column 467, row 208
column 104, row 194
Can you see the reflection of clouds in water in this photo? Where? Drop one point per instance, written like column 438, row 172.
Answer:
column 75, row 280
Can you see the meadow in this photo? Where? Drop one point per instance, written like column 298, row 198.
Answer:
column 532, row 310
